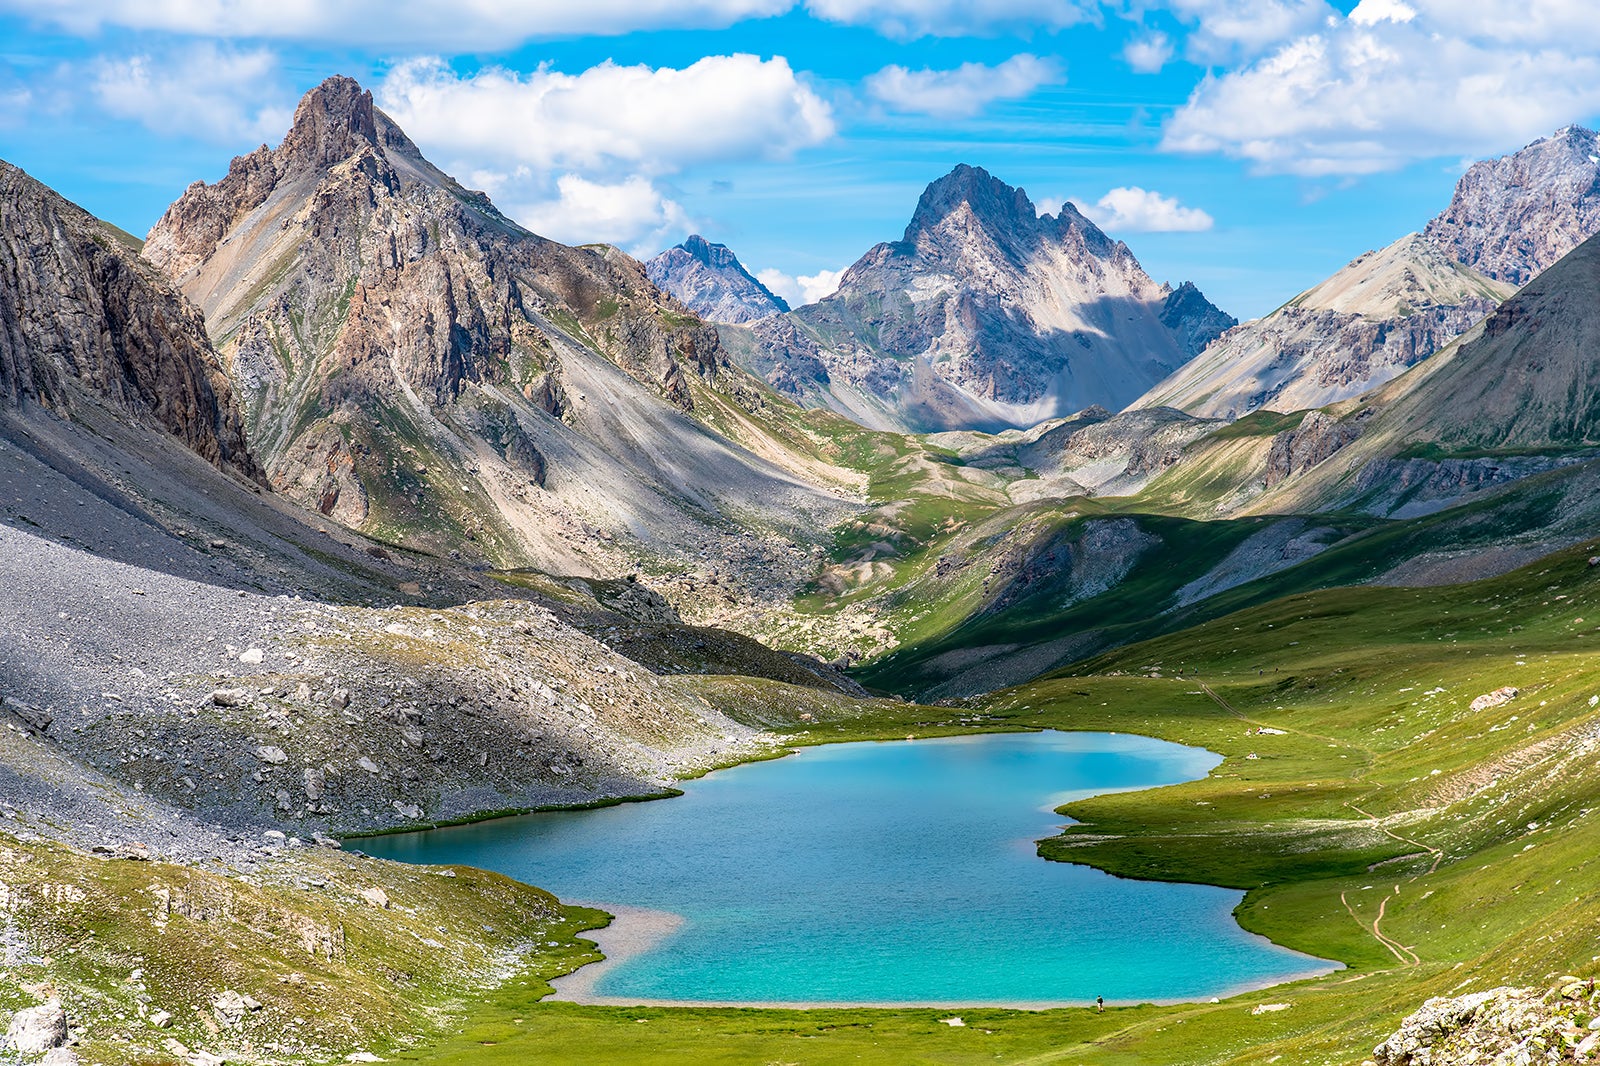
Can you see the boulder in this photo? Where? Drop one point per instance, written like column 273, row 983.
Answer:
column 1498, row 698
column 231, row 1007
column 38, row 1029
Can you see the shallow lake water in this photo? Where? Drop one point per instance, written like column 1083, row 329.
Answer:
column 897, row 872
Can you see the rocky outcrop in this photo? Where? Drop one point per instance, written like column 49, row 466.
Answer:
column 1194, row 320
column 35, row 1030
column 1315, row 440
column 1075, row 564
column 414, row 363
column 709, row 280
column 1500, row 1027
column 986, row 314
column 1514, row 217
column 81, row 313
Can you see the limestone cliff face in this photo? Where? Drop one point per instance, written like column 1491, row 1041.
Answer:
column 80, row 312
column 710, row 281
column 416, row 364
column 1512, row 218
column 1386, row 311
column 986, row 314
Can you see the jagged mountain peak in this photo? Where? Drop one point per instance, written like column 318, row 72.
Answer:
column 712, row 255
column 411, row 361
column 1512, row 217
column 333, row 121
column 987, row 196
column 1004, row 211
column 986, row 315
column 708, row 279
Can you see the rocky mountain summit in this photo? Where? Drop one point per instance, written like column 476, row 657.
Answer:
column 414, row 364
column 710, row 281
column 1515, row 216
column 985, row 314
column 80, row 312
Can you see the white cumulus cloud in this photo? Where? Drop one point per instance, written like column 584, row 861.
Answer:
column 953, row 18
column 649, row 119
column 202, row 90
column 495, row 25
column 1398, row 82
column 802, row 290
column 1131, row 209
column 629, row 212
column 407, row 24
column 1369, row 12
column 961, row 92
column 582, row 153
column 1148, row 54
column 1228, row 30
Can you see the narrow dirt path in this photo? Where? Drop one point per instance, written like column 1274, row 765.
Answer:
column 1438, row 855
column 1397, row 949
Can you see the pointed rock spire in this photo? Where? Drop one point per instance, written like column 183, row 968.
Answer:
column 334, row 120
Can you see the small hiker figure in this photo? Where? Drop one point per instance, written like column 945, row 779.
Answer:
column 1099, row 1004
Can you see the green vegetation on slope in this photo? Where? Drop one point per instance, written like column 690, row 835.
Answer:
column 1372, row 816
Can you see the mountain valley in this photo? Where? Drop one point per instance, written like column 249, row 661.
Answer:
column 344, row 504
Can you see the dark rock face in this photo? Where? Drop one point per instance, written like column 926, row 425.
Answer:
column 1194, row 320
column 985, row 314
column 1513, row 217
column 1314, row 441
column 79, row 310
column 709, row 280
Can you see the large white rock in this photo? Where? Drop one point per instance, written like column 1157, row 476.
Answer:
column 37, row 1029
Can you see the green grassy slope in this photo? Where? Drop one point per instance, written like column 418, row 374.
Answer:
column 1010, row 622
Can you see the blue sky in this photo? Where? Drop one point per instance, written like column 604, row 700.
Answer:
column 1252, row 146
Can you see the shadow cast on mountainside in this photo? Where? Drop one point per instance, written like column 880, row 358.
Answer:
column 129, row 493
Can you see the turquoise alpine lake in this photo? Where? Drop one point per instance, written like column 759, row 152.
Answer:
column 885, row 873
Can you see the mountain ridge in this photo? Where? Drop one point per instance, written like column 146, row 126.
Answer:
column 985, row 315
column 418, row 366
column 1508, row 219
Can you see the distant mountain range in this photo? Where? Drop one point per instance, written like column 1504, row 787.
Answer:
column 984, row 314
